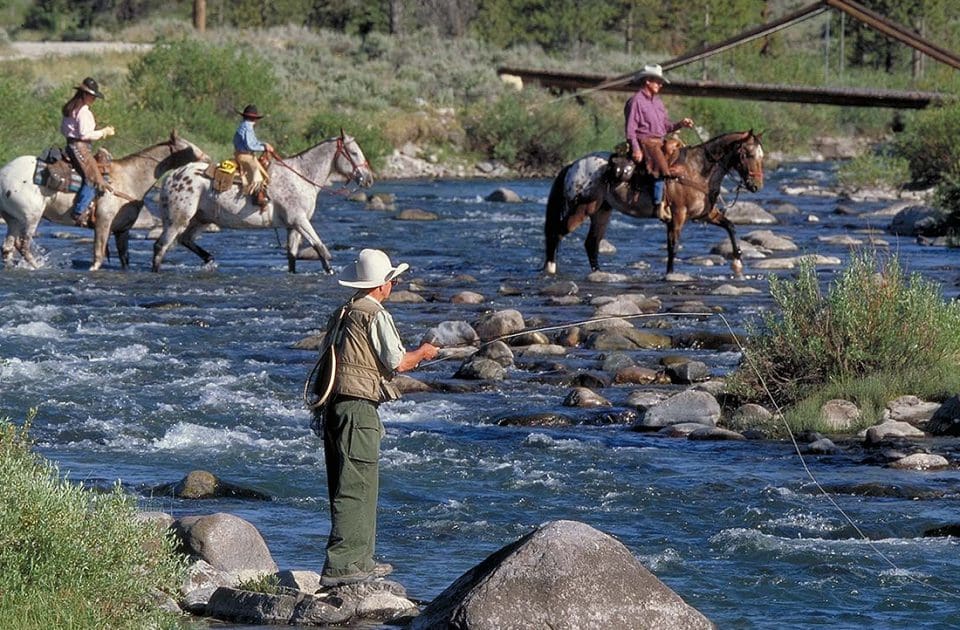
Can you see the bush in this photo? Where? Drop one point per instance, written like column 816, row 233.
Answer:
column 873, row 170
column 531, row 132
column 199, row 88
column 71, row 558
column 873, row 320
column 929, row 144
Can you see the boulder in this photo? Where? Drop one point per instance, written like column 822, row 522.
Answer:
column 687, row 406
column 920, row 461
column 839, row 416
column 563, row 575
column 503, row 195
column 497, row 351
column 946, row 419
column 499, row 323
column 890, row 429
column 451, row 333
column 714, row 434
column 688, row 372
column 416, row 214
column 200, row 484
column 749, row 213
column 910, row 409
column 585, row 397
column 227, row 542
column 917, row 221
column 481, row 369
column 467, row 297
column 560, row 288
column 535, row 420
column 768, row 240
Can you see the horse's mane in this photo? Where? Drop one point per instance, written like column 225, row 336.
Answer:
column 143, row 152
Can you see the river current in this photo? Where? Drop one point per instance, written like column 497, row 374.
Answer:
column 143, row 377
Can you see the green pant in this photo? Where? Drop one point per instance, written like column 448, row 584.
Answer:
column 351, row 442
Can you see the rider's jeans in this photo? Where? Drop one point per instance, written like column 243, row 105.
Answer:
column 658, row 186
column 86, row 194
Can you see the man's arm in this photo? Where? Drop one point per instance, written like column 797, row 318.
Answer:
column 412, row 358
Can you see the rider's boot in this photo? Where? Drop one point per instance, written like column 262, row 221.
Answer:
column 262, row 199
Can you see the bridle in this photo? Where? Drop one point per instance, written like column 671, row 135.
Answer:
column 341, row 150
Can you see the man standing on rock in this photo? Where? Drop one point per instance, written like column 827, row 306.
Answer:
column 368, row 353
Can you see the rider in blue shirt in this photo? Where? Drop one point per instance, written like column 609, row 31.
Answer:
column 245, row 146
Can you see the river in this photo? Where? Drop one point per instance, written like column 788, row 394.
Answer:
column 142, row 377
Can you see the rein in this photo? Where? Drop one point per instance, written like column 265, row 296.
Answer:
column 341, row 150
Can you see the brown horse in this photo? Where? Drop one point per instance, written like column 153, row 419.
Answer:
column 589, row 188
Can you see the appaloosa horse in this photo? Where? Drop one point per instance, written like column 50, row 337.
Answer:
column 188, row 201
column 23, row 203
column 587, row 188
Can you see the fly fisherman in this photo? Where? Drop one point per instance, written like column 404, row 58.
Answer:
column 367, row 352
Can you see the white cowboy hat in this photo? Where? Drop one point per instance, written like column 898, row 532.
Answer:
column 653, row 71
column 371, row 269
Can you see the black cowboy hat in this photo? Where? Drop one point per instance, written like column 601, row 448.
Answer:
column 250, row 111
column 89, row 86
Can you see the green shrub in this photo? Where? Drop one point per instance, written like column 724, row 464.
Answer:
column 531, row 132
column 72, row 558
column 872, row 320
column 874, row 170
column 199, row 88
column 929, row 144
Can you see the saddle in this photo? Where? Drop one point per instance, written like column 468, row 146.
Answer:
column 227, row 174
column 624, row 169
column 56, row 171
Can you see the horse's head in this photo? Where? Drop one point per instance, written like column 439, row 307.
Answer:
column 180, row 151
column 750, row 161
column 350, row 162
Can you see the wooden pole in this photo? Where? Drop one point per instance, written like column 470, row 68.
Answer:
column 200, row 15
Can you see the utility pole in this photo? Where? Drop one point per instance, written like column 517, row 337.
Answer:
column 200, row 15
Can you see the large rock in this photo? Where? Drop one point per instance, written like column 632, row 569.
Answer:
column 451, row 333
column 946, row 419
column 910, row 409
column 838, row 415
column 498, row 324
column 227, row 542
column 917, row 220
column 564, row 575
column 687, row 406
column 749, row 213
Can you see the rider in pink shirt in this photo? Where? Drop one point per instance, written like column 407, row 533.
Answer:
column 80, row 129
column 647, row 122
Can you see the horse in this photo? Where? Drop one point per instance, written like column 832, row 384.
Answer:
column 588, row 187
column 23, row 203
column 188, row 201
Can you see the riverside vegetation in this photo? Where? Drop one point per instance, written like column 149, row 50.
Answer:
column 74, row 558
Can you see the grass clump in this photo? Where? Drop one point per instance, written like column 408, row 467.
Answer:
column 72, row 558
column 875, row 334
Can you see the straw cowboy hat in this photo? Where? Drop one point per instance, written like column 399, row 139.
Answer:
column 89, row 86
column 371, row 269
column 653, row 71
column 251, row 112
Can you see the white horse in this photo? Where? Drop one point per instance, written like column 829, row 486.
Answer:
column 23, row 203
column 188, row 201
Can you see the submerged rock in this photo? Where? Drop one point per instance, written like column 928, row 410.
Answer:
column 200, row 484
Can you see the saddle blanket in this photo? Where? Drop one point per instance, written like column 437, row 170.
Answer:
column 55, row 171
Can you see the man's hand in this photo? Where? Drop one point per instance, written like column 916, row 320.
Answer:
column 268, row 149
column 108, row 131
column 637, row 155
column 686, row 123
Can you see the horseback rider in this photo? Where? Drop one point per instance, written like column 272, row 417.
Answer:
column 245, row 144
column 647, row 123
column 80, row 129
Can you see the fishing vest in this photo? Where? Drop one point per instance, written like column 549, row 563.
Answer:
column 360, row 373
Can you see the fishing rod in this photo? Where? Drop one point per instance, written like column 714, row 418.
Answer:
column 748, row 358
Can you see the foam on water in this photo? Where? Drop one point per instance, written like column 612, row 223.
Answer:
column 41, row 330
column 190, row 437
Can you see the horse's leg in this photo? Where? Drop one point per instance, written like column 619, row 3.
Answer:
column 718, row 218
column 122, row 239
column 293, row 248
column 188, row 240
column 674, row 228
column 598, row 228
column 171, row 232
column 101, row 233
column 553, row 224
column 304, row 227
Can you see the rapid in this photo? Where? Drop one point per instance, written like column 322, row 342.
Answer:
column 139, row 378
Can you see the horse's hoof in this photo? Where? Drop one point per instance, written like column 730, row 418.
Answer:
column 550, row 268
column 737, row 267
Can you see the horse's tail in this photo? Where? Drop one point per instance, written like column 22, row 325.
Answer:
column 554, row 226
